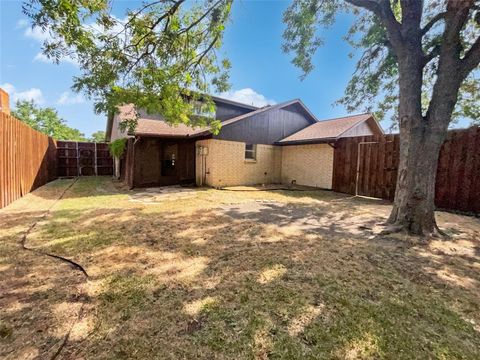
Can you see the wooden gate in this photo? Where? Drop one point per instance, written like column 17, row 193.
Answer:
column 367, row 166
column 83, row 159
column 377, row 164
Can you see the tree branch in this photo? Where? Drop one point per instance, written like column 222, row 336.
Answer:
column 471, row 59
column 195, row 23
column 432, row 22
column 383, row 10
column 432, row 54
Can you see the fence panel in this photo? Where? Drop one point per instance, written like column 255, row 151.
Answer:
column 77, row 158
column 27, row 159
column 367, row 165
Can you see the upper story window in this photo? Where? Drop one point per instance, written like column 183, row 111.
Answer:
column 203, row 110
column 250, row 151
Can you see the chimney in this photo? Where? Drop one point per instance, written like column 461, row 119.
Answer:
column 4, row 102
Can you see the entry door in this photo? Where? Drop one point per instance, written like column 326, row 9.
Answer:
column 169, row 159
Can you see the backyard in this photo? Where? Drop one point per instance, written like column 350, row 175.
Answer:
column 205, row 273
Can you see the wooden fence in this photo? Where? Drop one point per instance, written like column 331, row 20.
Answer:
column 367, row 166
column 27, row 159
column 77, row 158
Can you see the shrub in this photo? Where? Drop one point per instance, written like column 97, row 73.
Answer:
column 117, row 147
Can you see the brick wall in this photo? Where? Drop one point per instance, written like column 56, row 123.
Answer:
column 225, row 164
column 310, row 165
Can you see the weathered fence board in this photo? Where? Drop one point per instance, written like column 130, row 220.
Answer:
column 367, row 165
column 27, row 159
column 83, row 159
column 30, row 159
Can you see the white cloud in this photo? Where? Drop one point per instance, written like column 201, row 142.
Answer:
column 41, row 57
column 37, row 34
column 247, row 96
column 22, row 23
column 67, row 98
column 30, row 94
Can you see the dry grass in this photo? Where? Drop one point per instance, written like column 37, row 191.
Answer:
column 232, row 274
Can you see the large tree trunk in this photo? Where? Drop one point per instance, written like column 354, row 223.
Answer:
column 414, row 207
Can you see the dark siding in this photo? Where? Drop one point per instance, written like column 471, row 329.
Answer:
column 147, row 167
column 227, row 111
column 267, row 127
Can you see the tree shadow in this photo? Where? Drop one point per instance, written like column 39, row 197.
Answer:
column 269, row 278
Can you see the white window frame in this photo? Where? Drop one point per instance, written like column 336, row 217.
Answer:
column 251, row 152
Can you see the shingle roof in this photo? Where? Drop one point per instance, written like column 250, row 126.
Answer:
column 326, row 129
column 154, row 125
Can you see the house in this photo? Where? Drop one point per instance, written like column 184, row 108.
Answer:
column 280, row 143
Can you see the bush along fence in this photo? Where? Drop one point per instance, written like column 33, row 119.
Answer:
column 368, row 166
column 30, row 159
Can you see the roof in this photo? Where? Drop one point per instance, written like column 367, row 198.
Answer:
column 154, row 125
column 327, row 130
column 269, row 108
column 231, row 102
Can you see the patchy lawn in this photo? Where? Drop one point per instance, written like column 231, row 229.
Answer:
column 231, row 274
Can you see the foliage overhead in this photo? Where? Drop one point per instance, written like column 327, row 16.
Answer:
column 117, row 147
column 98, row 136
column 373, row 86
column 46, row 120
column 160, row 56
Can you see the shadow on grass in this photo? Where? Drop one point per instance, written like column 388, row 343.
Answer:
column 259, row 279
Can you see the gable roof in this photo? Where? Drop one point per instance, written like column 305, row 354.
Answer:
column 269, row 108
column 154, row 125
column 328, row 130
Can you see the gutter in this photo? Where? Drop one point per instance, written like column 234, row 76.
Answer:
column 306, row 142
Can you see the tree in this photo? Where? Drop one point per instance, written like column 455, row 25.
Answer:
column 161, row 56
column 98, row 136
column 45, row 120
column 423, row 56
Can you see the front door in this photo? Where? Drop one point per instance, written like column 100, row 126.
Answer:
column 169, row 160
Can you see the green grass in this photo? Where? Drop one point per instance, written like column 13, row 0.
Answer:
column 222, row 275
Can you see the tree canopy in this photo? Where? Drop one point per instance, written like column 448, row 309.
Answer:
column 161, row 56
column 98, row 136
column 46, row 120
column 373, row 86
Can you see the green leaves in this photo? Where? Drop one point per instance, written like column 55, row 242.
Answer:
column 160, row 56
column 98, row 136
column 45, row 120
column 117, row 147
column 373, row 85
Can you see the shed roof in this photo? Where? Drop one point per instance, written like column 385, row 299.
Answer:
column 327, row 130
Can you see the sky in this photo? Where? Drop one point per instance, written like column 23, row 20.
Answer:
column 261, row 73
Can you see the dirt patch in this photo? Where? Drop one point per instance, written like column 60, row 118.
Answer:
column 165, row 193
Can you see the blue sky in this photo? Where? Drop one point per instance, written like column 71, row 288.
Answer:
column 261, row 73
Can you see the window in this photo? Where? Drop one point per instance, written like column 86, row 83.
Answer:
column 203, row 110
column 250, row 151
